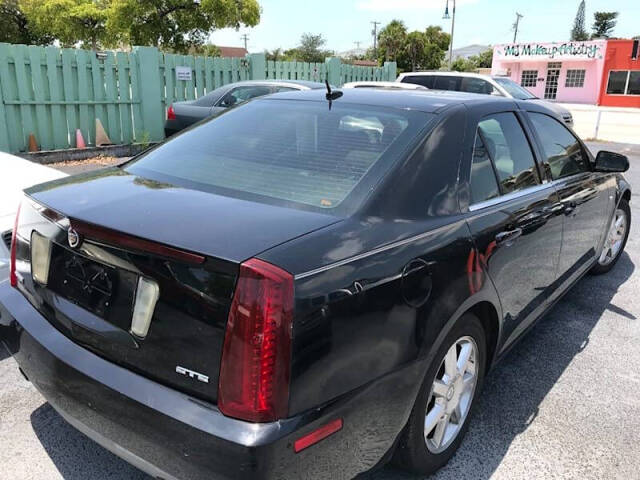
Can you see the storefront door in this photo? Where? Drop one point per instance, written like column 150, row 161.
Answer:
column 551, row 85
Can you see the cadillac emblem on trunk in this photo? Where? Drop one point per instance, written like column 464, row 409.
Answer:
column 73, row 238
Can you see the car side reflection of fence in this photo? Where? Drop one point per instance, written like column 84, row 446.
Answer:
column 49, row 92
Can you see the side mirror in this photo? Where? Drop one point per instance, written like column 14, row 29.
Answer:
column 611, row 162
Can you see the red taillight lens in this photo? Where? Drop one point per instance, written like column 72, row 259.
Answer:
column 171, row 115
column 256, row 358
column 13, row 278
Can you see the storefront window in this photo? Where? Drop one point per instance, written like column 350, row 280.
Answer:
column 624, row 82
column 617, row 82
column 634, row 83
column 529, row 78
column 575, row 79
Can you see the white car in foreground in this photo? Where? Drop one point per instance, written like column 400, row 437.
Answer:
column 483, row 84
column 17, row 174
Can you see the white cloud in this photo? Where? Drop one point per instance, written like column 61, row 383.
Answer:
column 388, row 5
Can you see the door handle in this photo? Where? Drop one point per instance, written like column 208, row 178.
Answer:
column 508, row 237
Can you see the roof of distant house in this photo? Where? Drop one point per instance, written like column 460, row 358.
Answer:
column 365, row 63
column 232, row 51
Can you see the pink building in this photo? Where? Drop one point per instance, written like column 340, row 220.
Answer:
column 569, row 72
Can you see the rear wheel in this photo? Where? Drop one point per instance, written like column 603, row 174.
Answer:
column 440, row 416
column 616, row 239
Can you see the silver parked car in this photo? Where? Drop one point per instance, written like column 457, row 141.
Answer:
column 182, row 114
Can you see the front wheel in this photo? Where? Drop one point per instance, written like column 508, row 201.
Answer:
column 616, row 239
column 440, row 416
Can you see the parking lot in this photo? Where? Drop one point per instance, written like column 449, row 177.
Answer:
column 565, row 403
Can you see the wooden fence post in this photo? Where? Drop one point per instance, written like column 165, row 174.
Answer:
column 333, row 71
column 257, row 66
column 391, row 70
column 151, row 93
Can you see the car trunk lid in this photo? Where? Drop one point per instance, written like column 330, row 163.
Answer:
column 189, row 243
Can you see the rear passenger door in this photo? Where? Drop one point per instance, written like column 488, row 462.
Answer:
column 514, row 219
column 583, row 193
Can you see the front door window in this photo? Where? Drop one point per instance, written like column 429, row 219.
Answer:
column 551, row 86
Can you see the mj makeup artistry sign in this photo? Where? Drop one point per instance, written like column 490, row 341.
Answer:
column 554, row 51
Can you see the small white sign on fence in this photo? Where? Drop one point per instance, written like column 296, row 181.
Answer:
column 183, row 73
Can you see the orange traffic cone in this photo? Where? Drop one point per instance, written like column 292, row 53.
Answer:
column 101, row 135
column 33, row 145
column 79, row 140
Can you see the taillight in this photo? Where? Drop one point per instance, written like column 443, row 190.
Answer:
column 171, row 115
column 256, row 358
column 13, row 278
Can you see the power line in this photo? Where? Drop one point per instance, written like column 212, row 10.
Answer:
column 515, row 26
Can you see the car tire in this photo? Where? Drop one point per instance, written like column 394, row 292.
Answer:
column 418, row 452
column 612, row 251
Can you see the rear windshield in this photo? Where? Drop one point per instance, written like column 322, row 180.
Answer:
column 298, row 152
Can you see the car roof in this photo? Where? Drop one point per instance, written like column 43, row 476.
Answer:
column 430, row 101
column 445, row 74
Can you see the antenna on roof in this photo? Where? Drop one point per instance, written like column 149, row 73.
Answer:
column 331, row 95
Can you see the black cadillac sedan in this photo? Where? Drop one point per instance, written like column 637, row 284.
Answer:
column 308, row 285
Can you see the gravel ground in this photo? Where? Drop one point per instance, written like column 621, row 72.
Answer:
column 564, row 404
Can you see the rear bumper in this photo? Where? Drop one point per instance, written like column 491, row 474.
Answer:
column 171, row 435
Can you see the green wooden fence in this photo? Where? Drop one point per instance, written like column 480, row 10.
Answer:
column 50, row 92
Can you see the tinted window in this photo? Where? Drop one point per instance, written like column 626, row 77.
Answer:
column 617, row 83
column 424, row 80
column 476, row 85
column 484, row 185
column 287, row 151
column 634, row 83
column 242, row 94
column 446, row 82
column 510, row 151
column 284, row 89
column 515, row 90
column 208, row 100
column 562, row 150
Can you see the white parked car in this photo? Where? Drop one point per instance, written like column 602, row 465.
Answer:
column 484, row 84
column 17, row 174
column 385, row 85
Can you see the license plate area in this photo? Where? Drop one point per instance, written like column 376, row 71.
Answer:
column 101, row 289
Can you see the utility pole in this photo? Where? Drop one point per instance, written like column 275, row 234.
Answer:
column 357, row 44
column 374, row 32
column 515, row 26
column 245, row 38
column 453, row 24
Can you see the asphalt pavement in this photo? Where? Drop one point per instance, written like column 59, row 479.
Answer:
column 564, row 404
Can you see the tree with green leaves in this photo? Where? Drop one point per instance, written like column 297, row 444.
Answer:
column 176, row 24
column 69, row 21
column 16, row 28
column 437, row 44
column 484, row 59
column 173, row 25
column 578, row 32
column 603, row 24
column 309, row 50
column 415, row 49
column 392, row 41
column 274, row 55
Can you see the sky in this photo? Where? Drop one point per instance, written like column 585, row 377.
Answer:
column 488, row 22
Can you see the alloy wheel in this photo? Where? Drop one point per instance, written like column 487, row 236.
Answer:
column 451, row 395
column 615, row 238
